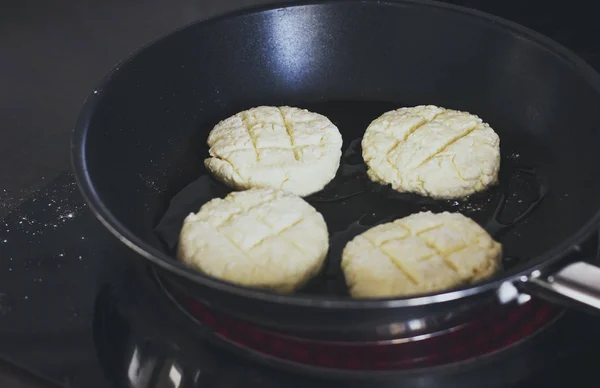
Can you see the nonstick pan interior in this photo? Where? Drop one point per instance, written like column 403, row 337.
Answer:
column 142, row 135
column 351, row 203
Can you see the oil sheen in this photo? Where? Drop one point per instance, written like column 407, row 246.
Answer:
column 351, row 203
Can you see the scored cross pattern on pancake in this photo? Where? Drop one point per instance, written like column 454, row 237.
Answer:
column 432, row 151
column 285, row 148
column 421, row 253
column 262, row 238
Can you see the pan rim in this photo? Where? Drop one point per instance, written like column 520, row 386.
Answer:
column 166, row 262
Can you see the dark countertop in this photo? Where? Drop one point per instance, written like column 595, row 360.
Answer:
column 54, row 52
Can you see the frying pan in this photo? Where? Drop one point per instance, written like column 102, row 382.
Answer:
column 139, row 144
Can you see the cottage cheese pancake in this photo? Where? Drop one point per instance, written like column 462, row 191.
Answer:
column 262, row 238
column 284, row 148
column 432, row 151
column 422, row 253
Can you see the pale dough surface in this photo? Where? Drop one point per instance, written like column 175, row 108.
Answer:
column 432, row 151
column 422, row 253
column 285, row 148
column 261, row 238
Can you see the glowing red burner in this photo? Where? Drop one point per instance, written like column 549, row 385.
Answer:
column 487, row 333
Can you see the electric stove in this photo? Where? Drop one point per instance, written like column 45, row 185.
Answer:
column 79, row 309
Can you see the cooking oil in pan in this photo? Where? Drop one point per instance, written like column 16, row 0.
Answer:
column 504, row 205
column 351, row 203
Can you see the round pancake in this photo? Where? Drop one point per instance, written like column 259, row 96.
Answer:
column 284, row 148
column 261, row 238
column 423, row 253
column 432, row 151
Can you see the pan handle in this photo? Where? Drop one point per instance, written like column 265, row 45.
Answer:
column 575, row 285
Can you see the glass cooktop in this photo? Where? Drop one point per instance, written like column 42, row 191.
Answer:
column 79, row 309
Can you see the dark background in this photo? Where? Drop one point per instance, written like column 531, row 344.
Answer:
column 53, row 52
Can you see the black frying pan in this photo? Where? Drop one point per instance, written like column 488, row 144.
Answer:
column 141, row 139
